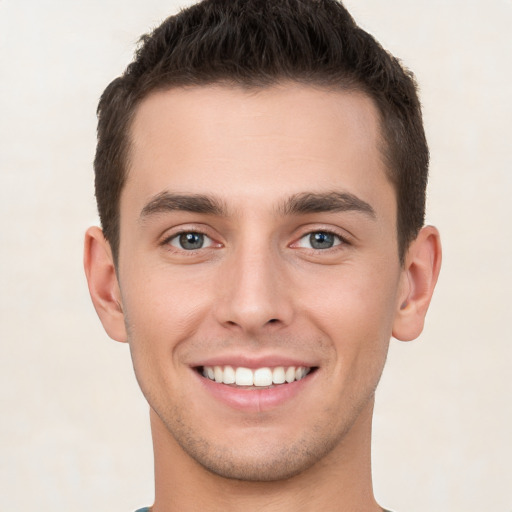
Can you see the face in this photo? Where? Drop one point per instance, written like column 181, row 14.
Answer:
column 259, row 271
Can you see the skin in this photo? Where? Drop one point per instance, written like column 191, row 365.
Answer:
column 257, row 289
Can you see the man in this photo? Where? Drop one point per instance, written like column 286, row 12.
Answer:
column 260, row 177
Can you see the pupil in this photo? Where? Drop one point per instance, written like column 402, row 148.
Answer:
column 321, row 240
column 191, row 241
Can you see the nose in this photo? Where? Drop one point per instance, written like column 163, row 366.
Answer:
column 254, row 292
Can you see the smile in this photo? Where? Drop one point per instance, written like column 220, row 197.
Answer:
column 255, row 378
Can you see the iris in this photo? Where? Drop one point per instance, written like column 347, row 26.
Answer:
column 321, row 240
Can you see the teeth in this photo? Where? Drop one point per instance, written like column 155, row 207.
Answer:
column 279, row 375
column 263, row 377
column 260, row 377
column 300, row 373
column 229, row 375
column 218, row 373
column 290, row 374
column 244, row 377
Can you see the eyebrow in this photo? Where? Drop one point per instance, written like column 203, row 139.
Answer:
column 298, row 204
column 196, row 203
column 311, row 202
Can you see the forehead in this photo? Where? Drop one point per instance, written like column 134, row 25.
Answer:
column 255, row 145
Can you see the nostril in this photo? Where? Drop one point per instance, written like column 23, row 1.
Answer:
column 243, row 325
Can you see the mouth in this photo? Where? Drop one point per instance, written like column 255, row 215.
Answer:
column 254, row 386
column 257, row 378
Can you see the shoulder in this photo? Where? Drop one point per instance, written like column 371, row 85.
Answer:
column 144, row 509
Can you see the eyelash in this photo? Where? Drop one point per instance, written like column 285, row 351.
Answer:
column 168, row 240
column 341, row 240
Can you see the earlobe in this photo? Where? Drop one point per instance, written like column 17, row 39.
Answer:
column 103, row 285
column 420, row 273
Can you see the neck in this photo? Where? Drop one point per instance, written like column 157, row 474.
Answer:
column 339, row 482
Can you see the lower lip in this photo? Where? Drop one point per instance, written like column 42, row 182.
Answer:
column 256, row 400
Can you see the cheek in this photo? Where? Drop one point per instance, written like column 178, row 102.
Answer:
column 358, row 322
column 161, row 313
column 355, row 310
column 351, row 293
column 158, row 300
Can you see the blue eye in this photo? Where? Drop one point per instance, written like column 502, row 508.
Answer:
column 191, row 241
column 319, row 240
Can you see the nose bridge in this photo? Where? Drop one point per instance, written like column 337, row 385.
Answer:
column 254, row 289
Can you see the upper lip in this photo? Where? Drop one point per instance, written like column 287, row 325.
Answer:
column 253, row 362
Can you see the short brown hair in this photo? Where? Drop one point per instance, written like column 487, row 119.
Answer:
column 258, row 43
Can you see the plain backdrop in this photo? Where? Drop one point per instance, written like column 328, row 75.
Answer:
column 74, row 432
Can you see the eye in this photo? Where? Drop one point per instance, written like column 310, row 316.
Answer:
column 319, row 240
column 190, row 241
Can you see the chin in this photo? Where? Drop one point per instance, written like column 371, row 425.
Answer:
column 258, row 467
column 258, row 458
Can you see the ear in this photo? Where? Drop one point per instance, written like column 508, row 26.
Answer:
column 419, row 277
column 103, row 284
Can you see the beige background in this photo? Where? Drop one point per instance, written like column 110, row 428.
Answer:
column 74, row 430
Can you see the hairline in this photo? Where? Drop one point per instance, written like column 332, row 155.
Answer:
column 257, row 85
